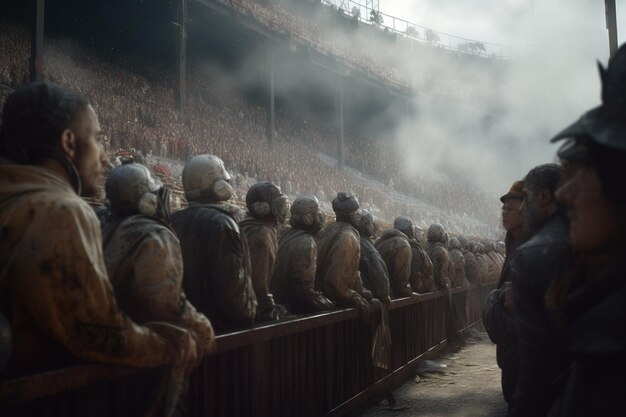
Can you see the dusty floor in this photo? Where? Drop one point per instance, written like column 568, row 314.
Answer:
column 468, row 386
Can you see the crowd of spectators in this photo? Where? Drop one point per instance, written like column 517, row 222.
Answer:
column 137, row 110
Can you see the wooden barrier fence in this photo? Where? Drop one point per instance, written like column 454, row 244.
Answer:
column 310, row 366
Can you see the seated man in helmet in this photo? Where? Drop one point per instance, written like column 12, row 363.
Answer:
column 54, row 287
column 472, row 273
column 458, row 263
column 268, row 209
column 143, row 257
column 293, row 282
column 338, row 254
column 371, row 265
column 442, row 273
column 439, row 256
column 215, row 253
column 395, row 250
column 421, row 267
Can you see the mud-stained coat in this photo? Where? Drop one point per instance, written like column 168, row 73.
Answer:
column 421, row 269
column 442, row 265
column 262, row 239
column 483, row 268
column 373, row 270
column 145, row 267
column 293, row 282
column 54, row 288
column 216, row 265
column 472, row 268
column 395, row 250
column 458, row 278
column 338, row 277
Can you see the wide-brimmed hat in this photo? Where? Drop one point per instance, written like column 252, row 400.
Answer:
column 516, row 191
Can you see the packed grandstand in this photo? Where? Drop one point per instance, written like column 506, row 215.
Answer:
column 136, row 105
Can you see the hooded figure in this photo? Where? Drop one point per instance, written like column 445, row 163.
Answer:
column 293, row 282
column 371, row 265
column 215, row 253
column 268, row 208
column 421, row 267
column 472, row 272
column 339, row 252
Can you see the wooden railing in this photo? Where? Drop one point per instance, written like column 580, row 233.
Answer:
column 311, row 366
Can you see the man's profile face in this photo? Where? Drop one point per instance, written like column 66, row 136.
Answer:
column 90, row 158
column 512, row 214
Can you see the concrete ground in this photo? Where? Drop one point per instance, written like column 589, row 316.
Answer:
column 468, row 386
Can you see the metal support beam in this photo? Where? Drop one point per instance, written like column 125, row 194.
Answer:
column 339, row 117
column 271, row 105
column 181, row 80
column 36, row 49
column 611, row 25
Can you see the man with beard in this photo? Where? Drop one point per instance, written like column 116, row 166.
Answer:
column 55, row 289
column 339, row 252
column 498, row 313
column 142, row 254
column 293, row 282
column 395, row 250
column 543, row 358
column 371, row 265
column 267, row 207
column 215, row 253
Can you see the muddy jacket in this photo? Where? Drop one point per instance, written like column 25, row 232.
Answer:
column 472, row 268
column 54, row 289
column 293, row 282
column 395, row 250
column 373, row 270
column 442, row 265
column 458, row 268
column 216, row 265
column 421, row 269
column 263, row 245
column 495, row 266
column 145, row 266
column 338, row 277
column 483, row 267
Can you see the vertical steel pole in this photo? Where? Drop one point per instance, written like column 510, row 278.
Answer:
column 181, row 85
column 339, row 115
column 611, row 25
column 271, row 105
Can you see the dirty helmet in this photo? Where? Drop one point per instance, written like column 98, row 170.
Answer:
column 405, row 225
column 132, row 189
column 205, row 178
column 264, row 199
column 436, row 233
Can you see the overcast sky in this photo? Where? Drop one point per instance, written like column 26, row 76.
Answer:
column 516, row 22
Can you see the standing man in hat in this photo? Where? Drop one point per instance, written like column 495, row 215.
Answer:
column 498, row 315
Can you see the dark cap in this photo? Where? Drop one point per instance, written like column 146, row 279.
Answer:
column 51, row 104
column 606, row 124
column 345, row 203
column 516, row 191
